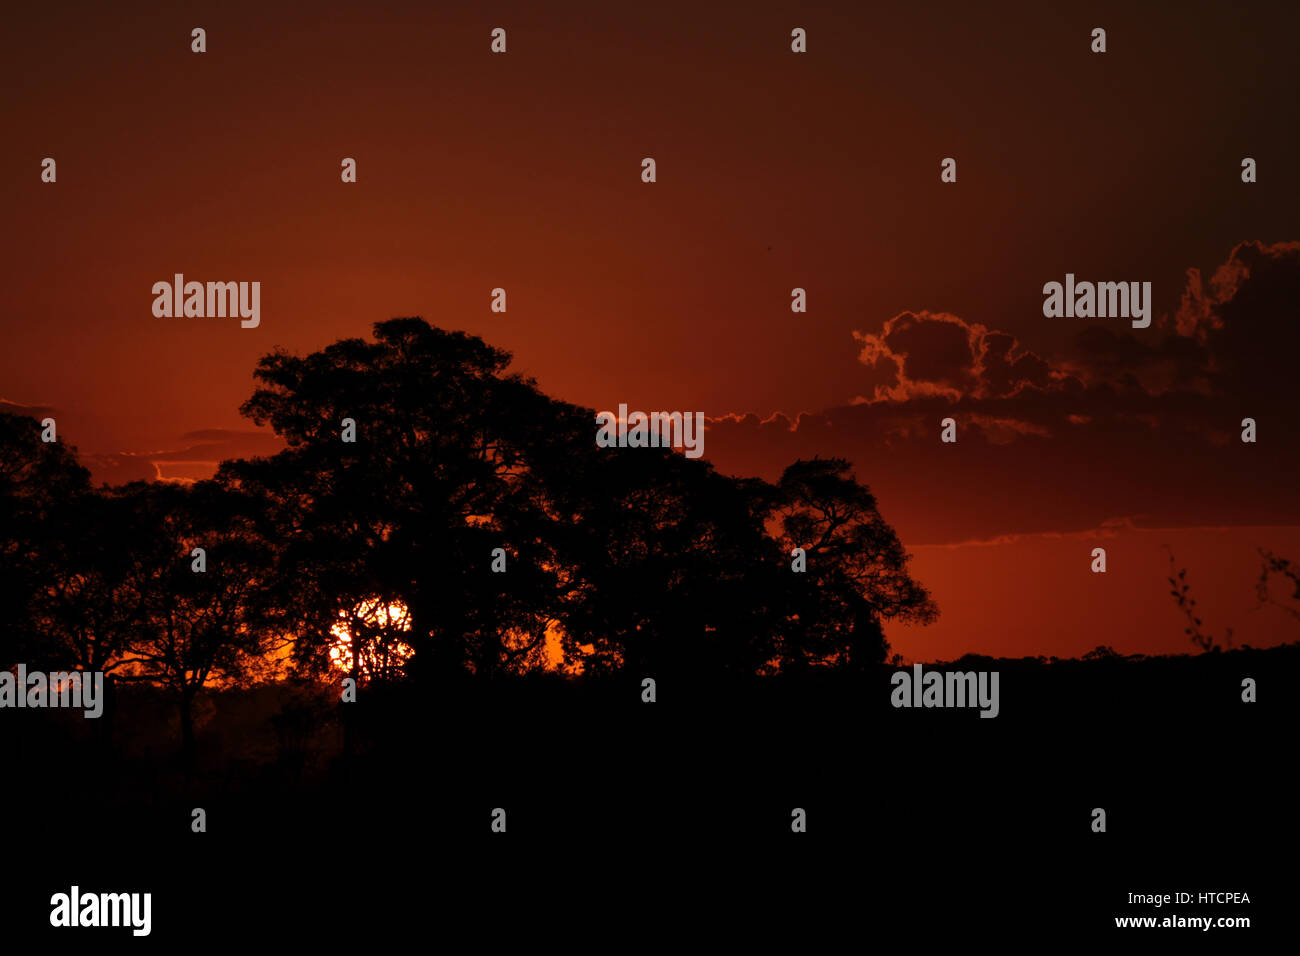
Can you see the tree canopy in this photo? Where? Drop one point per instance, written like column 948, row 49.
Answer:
column 419, row 474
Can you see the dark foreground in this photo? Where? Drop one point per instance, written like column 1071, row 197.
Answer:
column 669, row 824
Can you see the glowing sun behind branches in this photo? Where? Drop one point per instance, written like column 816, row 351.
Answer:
column 372, row 630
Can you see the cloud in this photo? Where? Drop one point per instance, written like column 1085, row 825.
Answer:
column 1233, row 335
column 1109, row 528
column 194, row 456
column 1120, row 421
column 919, row 354
column 196, row 459
column 34, row 411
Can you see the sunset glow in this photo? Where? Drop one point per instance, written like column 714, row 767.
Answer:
column 374, row 626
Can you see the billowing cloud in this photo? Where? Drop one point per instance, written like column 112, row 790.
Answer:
column 1232, row 335
column 934, row 353
column 1120, row 422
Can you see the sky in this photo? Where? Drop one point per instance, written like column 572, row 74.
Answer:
column 775, row 170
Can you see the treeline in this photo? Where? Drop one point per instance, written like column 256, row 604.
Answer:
column 638, row 561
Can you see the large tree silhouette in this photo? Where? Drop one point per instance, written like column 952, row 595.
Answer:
column 438, row 477
column 638, row 560
column 641, row 559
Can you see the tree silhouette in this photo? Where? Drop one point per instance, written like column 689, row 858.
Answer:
column 217, row 625
column 1182, row 594
column 92, row 600
column 43, row 494
column 637, row 559
column 411, row 511
column 857, row 569
column 667, row 565
column 1285, row 569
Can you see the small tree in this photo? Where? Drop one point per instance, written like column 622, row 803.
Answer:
column 1182, row 594
column 1288, row 571
column 41, row 486
column 200, row 627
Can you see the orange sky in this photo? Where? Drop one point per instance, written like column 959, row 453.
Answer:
column 775, row 170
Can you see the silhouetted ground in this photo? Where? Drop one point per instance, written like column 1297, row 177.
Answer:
column 645, row 816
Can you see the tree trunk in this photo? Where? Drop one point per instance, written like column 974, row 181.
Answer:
column 188, row 750
column 104, row 732
column 348, row 715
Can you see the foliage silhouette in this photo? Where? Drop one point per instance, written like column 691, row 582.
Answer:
column 639, row 562
column 636, row 559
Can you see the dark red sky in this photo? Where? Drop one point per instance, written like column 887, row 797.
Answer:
column 775, row 170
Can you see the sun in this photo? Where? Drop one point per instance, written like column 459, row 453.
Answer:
column 372, row 629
